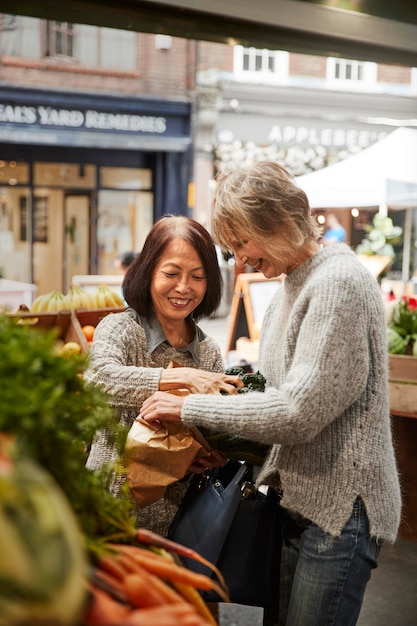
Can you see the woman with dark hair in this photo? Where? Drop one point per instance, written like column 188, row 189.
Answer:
column 174, row 282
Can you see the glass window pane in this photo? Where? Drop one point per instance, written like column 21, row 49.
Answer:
column 68, row 175
column 15, row 234
column 126, row 178
column 246, row 61
column 124, row 220
column 13, row 173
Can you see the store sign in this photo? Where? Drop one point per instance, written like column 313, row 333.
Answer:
column 74, row 118
column 338, row 137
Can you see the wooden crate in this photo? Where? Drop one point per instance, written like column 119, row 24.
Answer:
column 403, row 384
column 90, row 317
column 62, row 321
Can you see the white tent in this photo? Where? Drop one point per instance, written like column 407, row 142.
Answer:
column 383, row 175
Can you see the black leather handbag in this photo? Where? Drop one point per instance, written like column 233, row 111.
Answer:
column 236, row 527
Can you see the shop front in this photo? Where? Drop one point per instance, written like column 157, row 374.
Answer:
column 83, row 178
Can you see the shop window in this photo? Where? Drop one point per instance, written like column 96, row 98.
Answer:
column 68, row 175
column 40, row 219
column 13, row 173
column 349, row 74
column 125, row 178
column 60, row 39
column 14, row 237
column 260, row 65
column 124, row 220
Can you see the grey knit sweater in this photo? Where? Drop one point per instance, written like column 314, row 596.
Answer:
column 323, row 351
column 121, row 365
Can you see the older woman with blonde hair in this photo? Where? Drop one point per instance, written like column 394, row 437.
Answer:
column 325, row 409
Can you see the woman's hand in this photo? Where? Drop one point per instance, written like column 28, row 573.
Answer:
column 211, row 460
column 163, row 407
column 198, row 381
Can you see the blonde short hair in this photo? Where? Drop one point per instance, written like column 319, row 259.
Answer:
column 258, row 202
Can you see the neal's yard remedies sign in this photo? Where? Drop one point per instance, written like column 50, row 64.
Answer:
column 110, row 122
column 47, row 116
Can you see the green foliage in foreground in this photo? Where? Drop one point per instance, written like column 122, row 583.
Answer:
column 53, row 415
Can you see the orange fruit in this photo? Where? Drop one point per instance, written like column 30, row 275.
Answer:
column 88, row 331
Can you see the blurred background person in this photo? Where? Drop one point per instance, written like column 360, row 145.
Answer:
column 124, row 260
column 335, row 232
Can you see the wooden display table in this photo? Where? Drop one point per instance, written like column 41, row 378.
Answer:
column 403, row 406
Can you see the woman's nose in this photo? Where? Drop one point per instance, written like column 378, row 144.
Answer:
column 240, row 259
column 183, row 284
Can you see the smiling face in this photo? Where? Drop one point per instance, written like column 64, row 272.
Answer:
column 179, row 282
column 272, row 260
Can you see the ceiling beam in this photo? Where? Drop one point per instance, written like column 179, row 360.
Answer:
column 306, row 26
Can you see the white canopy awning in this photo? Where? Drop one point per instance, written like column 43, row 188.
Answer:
column 385, row 174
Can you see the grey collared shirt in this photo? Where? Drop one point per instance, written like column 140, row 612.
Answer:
column 155, row 336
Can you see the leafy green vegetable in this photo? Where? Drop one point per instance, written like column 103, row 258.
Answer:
column 53, row 414
column 234, row 446
column 402, row 327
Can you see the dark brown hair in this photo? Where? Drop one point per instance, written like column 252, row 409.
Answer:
column 136, row 285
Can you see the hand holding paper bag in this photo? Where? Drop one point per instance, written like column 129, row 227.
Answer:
column 158, row 455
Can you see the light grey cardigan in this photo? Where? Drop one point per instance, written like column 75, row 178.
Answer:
column 121, row 364
column 323, row 351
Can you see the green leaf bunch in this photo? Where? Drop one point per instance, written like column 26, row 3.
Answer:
column 380, row 238
column 234, row 446
column 53, row 414
column 403, row 323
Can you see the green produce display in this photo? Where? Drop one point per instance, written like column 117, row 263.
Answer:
column 396, row 343
column 43, row 563
column 53, row 414
column 402, row 327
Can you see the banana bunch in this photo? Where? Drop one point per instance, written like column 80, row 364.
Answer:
column 77, row 298
column 106, row 298
column 80, row 298
column 50, row 302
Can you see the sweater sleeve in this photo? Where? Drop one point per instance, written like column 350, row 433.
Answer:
column 118, row 362
column 316, row 356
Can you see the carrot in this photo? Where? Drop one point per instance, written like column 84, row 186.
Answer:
column 170, row 595
column 103, row 610
column 143, row 592
column 147, row 537
column 194, row 598
column 109, row 583
column 169, row 571
column 110, row 565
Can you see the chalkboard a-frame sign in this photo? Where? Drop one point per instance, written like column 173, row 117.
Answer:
column 251, row 296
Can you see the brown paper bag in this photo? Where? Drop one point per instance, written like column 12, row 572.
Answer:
column 157, row 455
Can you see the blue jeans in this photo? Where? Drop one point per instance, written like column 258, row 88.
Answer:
column 323, row 578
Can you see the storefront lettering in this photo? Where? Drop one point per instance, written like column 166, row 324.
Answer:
column 323, row 136
column 60, row 117
column 74, row 118
column 17, row 114
column 133, row 123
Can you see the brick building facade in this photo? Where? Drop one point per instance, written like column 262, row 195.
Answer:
column 109, row 129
